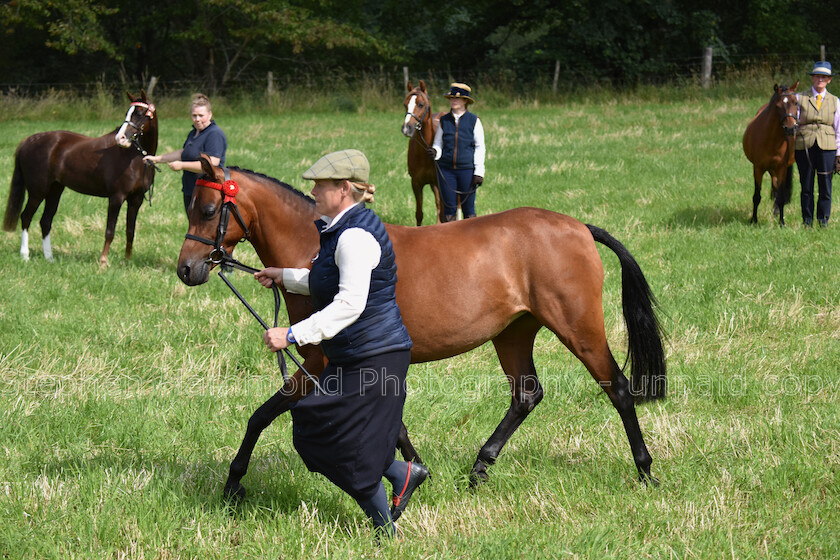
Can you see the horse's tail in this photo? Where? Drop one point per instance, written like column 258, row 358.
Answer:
column 17, row 194
column 787, row 186
column 645, row 351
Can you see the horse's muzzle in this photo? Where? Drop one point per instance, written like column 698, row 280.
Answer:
column 193, row 272
column 407, row 129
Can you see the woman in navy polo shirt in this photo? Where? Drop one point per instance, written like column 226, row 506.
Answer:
column 204, row 137
column 459, row 150
column 349, row 431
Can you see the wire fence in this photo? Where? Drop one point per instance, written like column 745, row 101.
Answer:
column 546, row 75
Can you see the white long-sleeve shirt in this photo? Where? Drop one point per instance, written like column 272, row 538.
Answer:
column 357, row 253
column 478, row 137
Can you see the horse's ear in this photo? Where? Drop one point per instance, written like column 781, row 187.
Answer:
column 776, row 88
column 130, row 97
column 143, row 95
column 795, row 85
column 408, row 85
column 422, row 86
column 206, row 166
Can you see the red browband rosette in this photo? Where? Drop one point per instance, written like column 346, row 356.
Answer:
column 229, row 188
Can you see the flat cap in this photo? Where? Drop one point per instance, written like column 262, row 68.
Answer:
column 345, row 164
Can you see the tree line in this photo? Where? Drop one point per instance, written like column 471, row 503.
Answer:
column 220, row 43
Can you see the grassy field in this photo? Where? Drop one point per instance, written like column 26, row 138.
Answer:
column 124, row 394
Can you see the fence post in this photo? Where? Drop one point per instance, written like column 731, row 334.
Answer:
column 707, row 67
column 151, row 87
column 405, row 76
column 556, row 75
column 270, row 79
column 822, row 52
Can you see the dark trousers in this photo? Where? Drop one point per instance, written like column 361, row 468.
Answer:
column 452, row 182
column 810, row 161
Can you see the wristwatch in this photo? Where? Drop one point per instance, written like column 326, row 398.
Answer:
column 290, row 337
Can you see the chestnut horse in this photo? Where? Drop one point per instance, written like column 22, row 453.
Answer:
column 109, row 166
column 528, row 268
column 769, row 145
column 420, row 125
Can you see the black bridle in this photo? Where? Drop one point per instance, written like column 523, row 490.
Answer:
column 220, row 256
column 138, row 130
column 422, row 116
column 789, row 131
column 135, row 141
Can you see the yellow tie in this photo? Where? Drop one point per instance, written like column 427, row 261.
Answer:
column 819, row 101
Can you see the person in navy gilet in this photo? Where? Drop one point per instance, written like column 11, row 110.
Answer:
column 817, row 144
column 204, row 137
column 349, row 431
column 459, row 150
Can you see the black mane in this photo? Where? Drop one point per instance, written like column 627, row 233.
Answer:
column 276, row 182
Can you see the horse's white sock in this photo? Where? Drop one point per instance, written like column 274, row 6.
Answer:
column 24, row 245
column 48, row 249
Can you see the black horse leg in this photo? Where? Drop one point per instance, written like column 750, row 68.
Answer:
column 134, row 204
column 259, row 421
column 756, row 195
column 514, row 346
column 622, row 400
column 50, row 209
column 404, row 445
column 114, row 205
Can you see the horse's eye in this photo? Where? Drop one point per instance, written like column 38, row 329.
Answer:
column 420, row 105
column 208, row 211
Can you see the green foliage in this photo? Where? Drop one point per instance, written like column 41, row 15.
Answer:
column 124, row 394
column 227, row 44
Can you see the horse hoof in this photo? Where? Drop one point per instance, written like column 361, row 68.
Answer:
column 477, row 478
column 648, row 480
column 234, row 492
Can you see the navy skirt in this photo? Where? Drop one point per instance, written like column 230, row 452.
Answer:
column 349, row 431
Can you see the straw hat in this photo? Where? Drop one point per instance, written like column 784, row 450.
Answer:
column 461, row 91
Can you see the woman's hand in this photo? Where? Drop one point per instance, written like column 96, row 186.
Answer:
column 269, row 276
column 275, row 338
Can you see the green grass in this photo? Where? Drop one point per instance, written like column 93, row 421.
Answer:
column 125, row 394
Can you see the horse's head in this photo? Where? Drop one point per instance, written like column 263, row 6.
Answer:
column 417, row 108
column 140, row 120
column 784, row 100
column 212, row 234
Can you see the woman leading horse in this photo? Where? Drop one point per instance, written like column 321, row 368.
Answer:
column 530, row 269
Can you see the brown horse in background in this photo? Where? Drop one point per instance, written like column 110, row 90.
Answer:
column 109, row 166
column 769, row 145
column 529, row 268
column 420, row 125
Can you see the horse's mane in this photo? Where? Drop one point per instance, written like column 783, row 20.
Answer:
column 276, row 182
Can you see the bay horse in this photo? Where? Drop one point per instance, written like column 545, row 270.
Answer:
column 769, row 145
column 109, row 166
column 529, row 268
column 419, row 126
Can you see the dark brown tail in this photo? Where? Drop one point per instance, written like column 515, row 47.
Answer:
column 17, row 194
column 646, row 355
